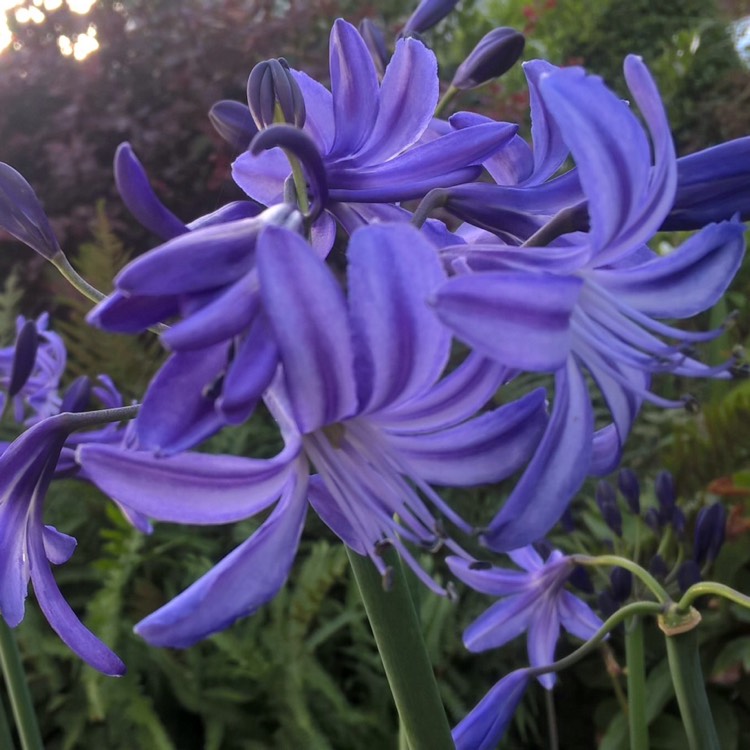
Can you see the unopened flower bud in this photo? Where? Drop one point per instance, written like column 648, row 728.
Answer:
column 628, row 484
column 429, row 13
column 581, row 579
column 496, row 53
column 271, row 85
column 607, row 502
column 653, row 520
column 710, row 530
column 678, row 522
column 658, row 568
column 665, row 493
column 688, row 574
column 375, row 41
column 77, row 396
column 234, row 123
column 24, row 357
column 621, row 581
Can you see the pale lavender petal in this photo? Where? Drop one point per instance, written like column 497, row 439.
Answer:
column 58, row 547
column 689, row 280
column 354, row 85
column 196, row 488
column 319, row 122
column 485, row 449
column 512, row 164
column 606, row 451
column 487, row 579
column 14, row 564
column 328, row 509
column 526, row 557
column 502, row 622
column 402, row 117
column 577, row 617
column 556, row 472
column 139, row 197
column 544, row 630
column 400, row 345
column 230, row 212
column 521, row 320
column 243, row 581
column 262, row 175
column 485, row 725
column 62, row 618
column 307, row 312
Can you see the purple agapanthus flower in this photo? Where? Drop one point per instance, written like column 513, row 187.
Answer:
column 365, row 133
column 535, row 602
column 484, row 726
column 592, row 302
column 28, row 546
column 359, row 398
column 37, row 396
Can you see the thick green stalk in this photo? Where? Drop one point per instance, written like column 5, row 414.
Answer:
column 6, row 738
column 690, row 689
column 398, row 635
column 635, row 656
column 18, row 690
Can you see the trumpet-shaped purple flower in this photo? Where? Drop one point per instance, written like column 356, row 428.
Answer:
column 534, row 602
column 36, row 388
column 360, row 400
column 360, row 140
column 27, row 546
column 592, row 302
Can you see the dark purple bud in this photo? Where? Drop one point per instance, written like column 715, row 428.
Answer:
column 22, row 215
column 234, row 123
column 581, row 579
column 687, row 574
column 621, row 581
column 24, row 357
column 630, row 488
column 138, row 195
column 607, row 604
column 302, row 146
column 375, row 41
column 653, row 520
column 665, row 493
column 607, row 502
column 428, row 14
column 78, row 396
column 658, row 568
column 710, row 530
column 271, row 85
column 678, row 522
column 496, row 53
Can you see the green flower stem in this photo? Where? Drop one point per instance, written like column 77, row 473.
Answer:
column 6, row 739
column 18, row 690
column 300, row 183
column 398, row 635
column 629, row 610
column 687, row 677
column 622, row 562
column 635, row 656
column 445, row 100
column 709, row 588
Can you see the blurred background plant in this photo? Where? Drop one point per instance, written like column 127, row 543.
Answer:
column 304, row 671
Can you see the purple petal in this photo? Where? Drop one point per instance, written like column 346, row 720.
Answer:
column 230, row 212
column 485, row 725
column 319, row 124
column 125, row 314
column 14, row 565
column 140, row 198
column 199, row 488
column 329, row 511
column 502, row 622
column 544, row 631
column 521, row 320
column 243, row 581
column 488, row 580
column 556, row 472
column 485, row 449
column 689, row 280
column 22, row 215
column 178, row 410
column 62, row 618
column 401, row 347
column 402, row 117
column 233, row 122
column 58, row 547
column 606, row 452
column 428, row 14
column 354, row 85
column 577, row 617
column 307, row 312
column 262, row 175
